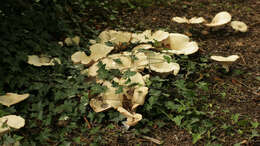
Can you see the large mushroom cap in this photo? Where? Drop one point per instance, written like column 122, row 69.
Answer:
column 11, row 121
column 116, row 37
column 110, row 97
column 117, row 61
column 158, row 63
column 142, row 47
column 231, row 58
column 12, row 98
column 179, row 44
column 239, row 26
column 99, row 51
column 143, row 37
column 220, row 19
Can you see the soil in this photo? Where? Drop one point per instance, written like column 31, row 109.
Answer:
column 241, row 87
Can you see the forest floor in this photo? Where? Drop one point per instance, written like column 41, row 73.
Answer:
column 241, row 89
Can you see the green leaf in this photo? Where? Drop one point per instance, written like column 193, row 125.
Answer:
column 128, row 74
column 118, row 61
column 254, row 124
column 196, row 137
column 177, row 120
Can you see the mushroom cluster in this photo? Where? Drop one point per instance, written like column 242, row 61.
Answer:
column 145, row 55
column 220, row 19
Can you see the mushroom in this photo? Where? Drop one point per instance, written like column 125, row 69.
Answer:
column 225, row 61
column 159, row 36
column 220, row 19
column 143, row 37
column 72, row 41
column 193, row 20
column 116, row 37
column 110, row 97
column 99, row 51
column 132, row 119
column 142, row 47
column 239, row 26
column 140, row 62
column 179, row 44
column 12, row 98
column 11, row 121
column 98, row 105
column 158, row 63
column 139, row 96
column 42, row 60
column 80, row 57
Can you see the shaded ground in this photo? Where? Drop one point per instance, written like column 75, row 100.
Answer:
column 241, row 87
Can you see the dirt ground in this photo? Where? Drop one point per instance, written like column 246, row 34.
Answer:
column 242, row 90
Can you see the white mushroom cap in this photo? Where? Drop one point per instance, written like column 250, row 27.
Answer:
column 180, row 19
column 12, row 98
column 220, row 19
column 42, row 60
column 116, row 37
column 132, row 119
column 231, row 58
column 71, row 41
column 80, row 57
column 137, row 78
column 193, row 20
column 239, row 26
column 196, row 20
column 11, row 121
column 99, row 105
column 141, row 61
column 157, row 63
column 139, row 96
column 143, row 37
column 99, row 51
column 159, row 35
column 125, row 61
column 142, row 46
column 179, row 44
column 110, row 97
column 92, row 71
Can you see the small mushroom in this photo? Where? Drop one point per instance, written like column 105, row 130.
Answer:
column 225, row 61
column 179, row 44
column 12, row 98
column 110, row 97
column 72, row 41
column 11, row 121
column 159, row 36
column 193, row 20
column 42, row 60
column 239, row 26
column 80, row 57
column 220, row 19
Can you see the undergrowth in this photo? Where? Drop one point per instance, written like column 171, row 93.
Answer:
column 57, row 111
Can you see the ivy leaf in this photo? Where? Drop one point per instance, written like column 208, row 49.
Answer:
column 178, row 119
column 128, row 74
column 118, row 61
column 196, row 137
